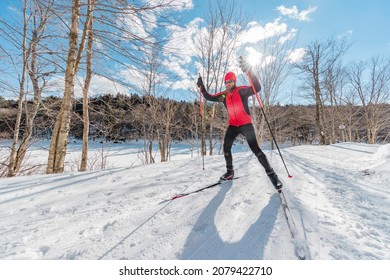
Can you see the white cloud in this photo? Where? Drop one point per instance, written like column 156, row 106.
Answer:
column 177, row 66
column 347, row 33
column 294, row 13
column 177, row 5
column 143, row 22
column 183, row 84
column 182, row 40
column 289, row 36
column 253, row 56
column 99, row 86
column 135, row 24
column 185, row 5
column 256, row 58
column 179, row 51
column 296, row 55
column 257, row 32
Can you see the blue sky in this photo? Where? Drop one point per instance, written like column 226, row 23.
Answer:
column 364, row 23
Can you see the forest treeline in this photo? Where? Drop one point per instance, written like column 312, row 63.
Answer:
column 121, row 118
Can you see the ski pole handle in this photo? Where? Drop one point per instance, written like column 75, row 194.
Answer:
column 252, row 85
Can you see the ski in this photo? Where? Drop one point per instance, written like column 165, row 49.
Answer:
column 180, row 195
column 298, row 246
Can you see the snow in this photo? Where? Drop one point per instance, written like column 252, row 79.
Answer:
column 339, row 197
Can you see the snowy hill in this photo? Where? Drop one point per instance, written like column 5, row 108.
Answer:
column 339, row 196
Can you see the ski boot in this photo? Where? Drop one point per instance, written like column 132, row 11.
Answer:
column 275, row 180
column 229, row 175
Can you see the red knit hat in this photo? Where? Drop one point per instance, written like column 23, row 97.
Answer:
column 230, row 76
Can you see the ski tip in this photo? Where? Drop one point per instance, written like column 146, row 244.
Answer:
column 290, row 176
column 301, row 254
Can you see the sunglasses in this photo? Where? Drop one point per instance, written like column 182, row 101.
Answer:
column 229, row 82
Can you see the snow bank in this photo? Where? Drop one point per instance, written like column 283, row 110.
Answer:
column 381, row 167
column 383, row 154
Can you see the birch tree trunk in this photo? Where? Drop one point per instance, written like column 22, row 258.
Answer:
column 60, row 132
column 13, row 155
column 84, row 153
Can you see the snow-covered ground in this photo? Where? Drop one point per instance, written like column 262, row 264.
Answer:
column 339, row 196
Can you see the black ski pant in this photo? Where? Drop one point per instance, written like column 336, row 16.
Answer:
column 248, row 132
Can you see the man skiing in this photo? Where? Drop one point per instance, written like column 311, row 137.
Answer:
column 235, row 99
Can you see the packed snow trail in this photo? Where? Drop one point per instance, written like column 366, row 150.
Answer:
column 339, row 197
column 344, row 210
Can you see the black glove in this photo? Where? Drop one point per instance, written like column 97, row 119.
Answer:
column 200, row 82
column 245, row 66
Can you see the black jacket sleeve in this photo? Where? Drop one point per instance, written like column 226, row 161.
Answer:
column 219, row 97
column 249, row 91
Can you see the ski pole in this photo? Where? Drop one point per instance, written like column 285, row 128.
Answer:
column 266, row 120
column 201, row 122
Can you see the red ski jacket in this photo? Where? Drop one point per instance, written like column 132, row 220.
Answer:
column 236, row 102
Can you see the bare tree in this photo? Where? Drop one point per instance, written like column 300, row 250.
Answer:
column 22, row 81
column 335, row 83
column 350, row 113
column 87, row 82
column 59, row 137
column 193, row 126
column 273, row 67
column 166, row 126
column 158, row 113
column 373, row 92
column 29, row 42
column 119, row 28
column 318, row 59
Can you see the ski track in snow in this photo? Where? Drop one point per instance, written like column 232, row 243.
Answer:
column 348, row 205
column 340, row 207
